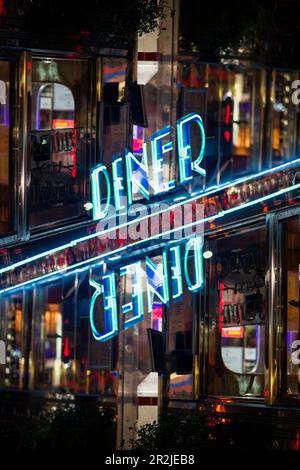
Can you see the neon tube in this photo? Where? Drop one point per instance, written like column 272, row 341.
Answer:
column 157, row 236
column 202, row 194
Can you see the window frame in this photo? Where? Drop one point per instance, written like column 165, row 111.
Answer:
column 17, row 112
column 277, row 340
column 274, row 323
column 233, row 230
column 92, row 117
column 21, row 130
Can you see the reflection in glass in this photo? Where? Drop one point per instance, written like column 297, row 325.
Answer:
column 242, row 349
column 140, row 385
column 237, row 315
column 291, row 302
column 179, row 346
column 114, row 79
column 6, row 208
column 11, row 327
column 65, row 356
column 157, row 94
column 115, row 110
column 229, row 102
column 284, row 118
column 59, row 120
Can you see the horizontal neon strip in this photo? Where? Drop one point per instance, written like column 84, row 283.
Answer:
column 153, row 237
column 195, row 196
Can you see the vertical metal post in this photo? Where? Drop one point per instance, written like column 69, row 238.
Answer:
column 28, row 325
column 25, row 67
column 272, row 317
column 99, row 112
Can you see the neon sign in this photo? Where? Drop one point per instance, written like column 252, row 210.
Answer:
column 124, row 188
column 130, row 174
column 137, row 170
column 157, row 280
column 242, row 205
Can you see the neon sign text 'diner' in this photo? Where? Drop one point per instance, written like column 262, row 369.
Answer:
column 137, row 173
column 176, row 263
column 176, row 266
column 137, row 179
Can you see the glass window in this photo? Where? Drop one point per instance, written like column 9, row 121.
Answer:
column 229, row 102
column 161, row 111
column 237, row 315
column 114, row 79
column 48, row 342
column 95, row 368
column 284, row 139
column 6, row 163
column 59, row 153
column 115, row 111
column 139, row 383
column 65, row 356
column 291, row 306
column 180, row 346
column 234, row 101
column 12, row 335
column 192, row 75
column 47, row 338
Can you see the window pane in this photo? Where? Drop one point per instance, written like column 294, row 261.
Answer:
column 291, row 303
column 59, row 158
column 239, row 100
column 115, row 111
column 65, row 355
column 180, row 330
column 94, row 359
column 284, row 118
column 230, row 104
column 114, row 79
column 47, row 338
column 6, row 208
column 237, row 315
column 139, row 383
column 241, row 114
column 11, row 327
column 115, row 126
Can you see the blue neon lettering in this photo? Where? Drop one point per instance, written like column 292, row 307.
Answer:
column 176, row 273
column 158, row 151
column 157, row 283
column 107, row 288
column 98, row 211
column 136, row 305
column 118, row 182
column 186, row 165
column 198, row 194
column 137, row 174
column 64, row 270
column 194, row 244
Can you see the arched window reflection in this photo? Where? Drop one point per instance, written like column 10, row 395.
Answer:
column 55, row 107
column 59, row 131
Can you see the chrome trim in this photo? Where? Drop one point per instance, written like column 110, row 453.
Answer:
column 271, row 320
column 24, row 174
